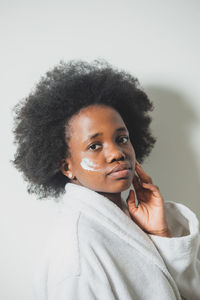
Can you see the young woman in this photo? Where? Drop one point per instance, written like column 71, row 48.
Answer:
column 81, row 134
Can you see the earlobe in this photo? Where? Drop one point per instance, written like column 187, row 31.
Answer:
column 66, row 169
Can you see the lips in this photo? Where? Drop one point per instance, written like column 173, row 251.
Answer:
column 119, row 167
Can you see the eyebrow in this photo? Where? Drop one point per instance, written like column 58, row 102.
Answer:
column 93, row 136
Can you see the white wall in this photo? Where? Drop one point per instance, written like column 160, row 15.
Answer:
column 156, row 40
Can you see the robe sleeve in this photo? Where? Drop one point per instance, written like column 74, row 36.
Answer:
column 181, row 252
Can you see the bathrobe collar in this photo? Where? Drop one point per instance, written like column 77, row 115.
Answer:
column 109, row 215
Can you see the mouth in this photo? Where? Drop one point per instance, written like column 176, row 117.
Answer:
column 120, row 171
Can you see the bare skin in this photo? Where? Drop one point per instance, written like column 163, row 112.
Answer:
column 102, row 159
column 99, row 142
column 149, row 214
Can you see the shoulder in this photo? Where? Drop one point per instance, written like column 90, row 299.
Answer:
column 60, row 258
column 75, row 248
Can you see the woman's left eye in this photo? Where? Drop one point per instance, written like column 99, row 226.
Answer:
column 123, row 139
column 94, row 147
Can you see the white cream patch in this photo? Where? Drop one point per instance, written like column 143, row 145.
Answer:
column 89, row 165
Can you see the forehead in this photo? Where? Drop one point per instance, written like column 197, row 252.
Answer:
column 94, row 118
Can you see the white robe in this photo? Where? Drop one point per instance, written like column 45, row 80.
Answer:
column 96, row 252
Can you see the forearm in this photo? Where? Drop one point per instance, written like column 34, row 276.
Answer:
column 180, row 252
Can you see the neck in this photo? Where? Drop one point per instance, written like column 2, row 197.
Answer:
column 115, row 198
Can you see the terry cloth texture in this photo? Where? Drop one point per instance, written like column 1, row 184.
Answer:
column 96, row 252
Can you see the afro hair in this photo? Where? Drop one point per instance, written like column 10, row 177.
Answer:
column 41, row 118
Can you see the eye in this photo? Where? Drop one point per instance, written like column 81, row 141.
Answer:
column 123, row 139
column 95, row 146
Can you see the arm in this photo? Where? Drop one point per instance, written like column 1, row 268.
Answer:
column 173, row 228
column 181, row 252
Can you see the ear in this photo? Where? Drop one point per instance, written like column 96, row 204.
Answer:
column 66, row 168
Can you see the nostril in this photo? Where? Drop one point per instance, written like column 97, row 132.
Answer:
column 114, row 153
column 122, row 157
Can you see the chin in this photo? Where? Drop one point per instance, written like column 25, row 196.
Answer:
column 122, row 186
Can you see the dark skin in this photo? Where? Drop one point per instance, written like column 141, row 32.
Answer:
column 102, row 159
column 149, row 214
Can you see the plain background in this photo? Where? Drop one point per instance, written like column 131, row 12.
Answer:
column 157, row 41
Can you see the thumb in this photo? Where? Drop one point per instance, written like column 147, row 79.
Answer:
column 131, row 201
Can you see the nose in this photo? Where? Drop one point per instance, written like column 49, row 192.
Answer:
column 114, row 153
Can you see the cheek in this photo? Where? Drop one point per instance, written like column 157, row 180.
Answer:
column 91, row 166
column 91, row 174
column 131, row 153
column 132, row 157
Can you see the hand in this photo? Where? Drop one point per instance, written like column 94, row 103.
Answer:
column 149, row 214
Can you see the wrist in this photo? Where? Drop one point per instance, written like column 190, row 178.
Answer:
column 163, row 233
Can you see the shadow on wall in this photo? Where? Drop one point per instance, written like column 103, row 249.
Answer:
column 172, row 163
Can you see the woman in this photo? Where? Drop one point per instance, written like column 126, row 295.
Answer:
column 80, row 134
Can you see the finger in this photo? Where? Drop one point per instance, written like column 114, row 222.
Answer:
column 151, row 187
column 142, row 174
column 131, row 201
column 136, row 182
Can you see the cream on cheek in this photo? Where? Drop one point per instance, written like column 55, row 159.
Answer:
column 88, row 165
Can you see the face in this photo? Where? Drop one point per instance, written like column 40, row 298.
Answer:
column 102, row 157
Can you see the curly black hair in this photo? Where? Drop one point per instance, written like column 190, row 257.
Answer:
column 41, row 118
